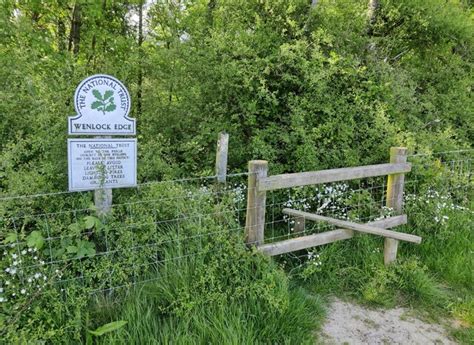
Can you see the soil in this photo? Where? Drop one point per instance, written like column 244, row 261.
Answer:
column 349, row 323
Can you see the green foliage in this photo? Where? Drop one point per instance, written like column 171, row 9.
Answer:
column 35, row 239
column 109, row 327
column 305, row 88
column 293, row 85
column 406, row 282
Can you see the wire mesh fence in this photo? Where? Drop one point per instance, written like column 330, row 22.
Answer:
column 55, row 241
column 444, row 178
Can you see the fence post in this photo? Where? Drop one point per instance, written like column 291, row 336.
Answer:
column 395, row 186
column 221, row 157
column 103, row 196
column 103, row 201
column 256, row 203
column 300, row 224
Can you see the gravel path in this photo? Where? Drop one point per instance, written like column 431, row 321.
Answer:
column 349, row 323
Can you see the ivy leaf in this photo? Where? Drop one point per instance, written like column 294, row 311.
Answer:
column 35, row 239
column 10, row 238
column 110, row 107
column 97, row 94
column 96, row 104
column 108, row 94
column 109, row 327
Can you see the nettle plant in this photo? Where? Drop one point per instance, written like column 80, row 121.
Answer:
column 104, row 103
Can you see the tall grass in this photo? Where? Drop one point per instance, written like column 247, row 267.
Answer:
column 243, row 322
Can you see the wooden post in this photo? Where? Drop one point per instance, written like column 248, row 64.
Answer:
column 221, row 157
column 299, row 224
column 256, row 202
column 395, row 186
column 103, row 196
column 103, row 201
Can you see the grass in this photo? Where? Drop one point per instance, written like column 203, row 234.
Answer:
column 228, row 294
column 245, row 322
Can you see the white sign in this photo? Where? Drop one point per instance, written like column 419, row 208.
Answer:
column 102, row 104
column 102, row 163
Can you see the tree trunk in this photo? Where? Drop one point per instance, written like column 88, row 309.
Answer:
column 61, row 34
column 140, row 58
column 75, row 33
column 372, row 12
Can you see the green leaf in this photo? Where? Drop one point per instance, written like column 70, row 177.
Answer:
column 96, row 104
column 109, row 327
column 71, row 249
column 75, row 228
column 97, row 94
column 90, row 221
column 110, row 107
column 10, row 238
column 108, row 94
column 85, row 248
column 35, row 239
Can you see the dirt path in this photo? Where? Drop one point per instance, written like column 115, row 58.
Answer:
column 349, row 323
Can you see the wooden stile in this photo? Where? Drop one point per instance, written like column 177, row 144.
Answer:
column 369, row 229
column 331, row 175
column 256, row 203
column 314, row 240
column 259, row 184
column 300, row 224
column 395, row 186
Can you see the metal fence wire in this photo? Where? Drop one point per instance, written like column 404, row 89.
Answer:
column 49, row 241
column 55, row 239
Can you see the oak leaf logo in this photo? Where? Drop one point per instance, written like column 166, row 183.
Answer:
column 104, row 103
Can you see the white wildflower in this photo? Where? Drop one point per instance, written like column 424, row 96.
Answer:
column 22, row 291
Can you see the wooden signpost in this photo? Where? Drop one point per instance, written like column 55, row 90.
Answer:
column 101, row 163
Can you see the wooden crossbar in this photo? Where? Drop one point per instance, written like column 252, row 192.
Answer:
column 354, row 226
column 331, row 175
column 314, row 240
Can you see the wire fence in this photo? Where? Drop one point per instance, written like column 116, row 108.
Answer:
column 444, row 178
column 55, row 240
